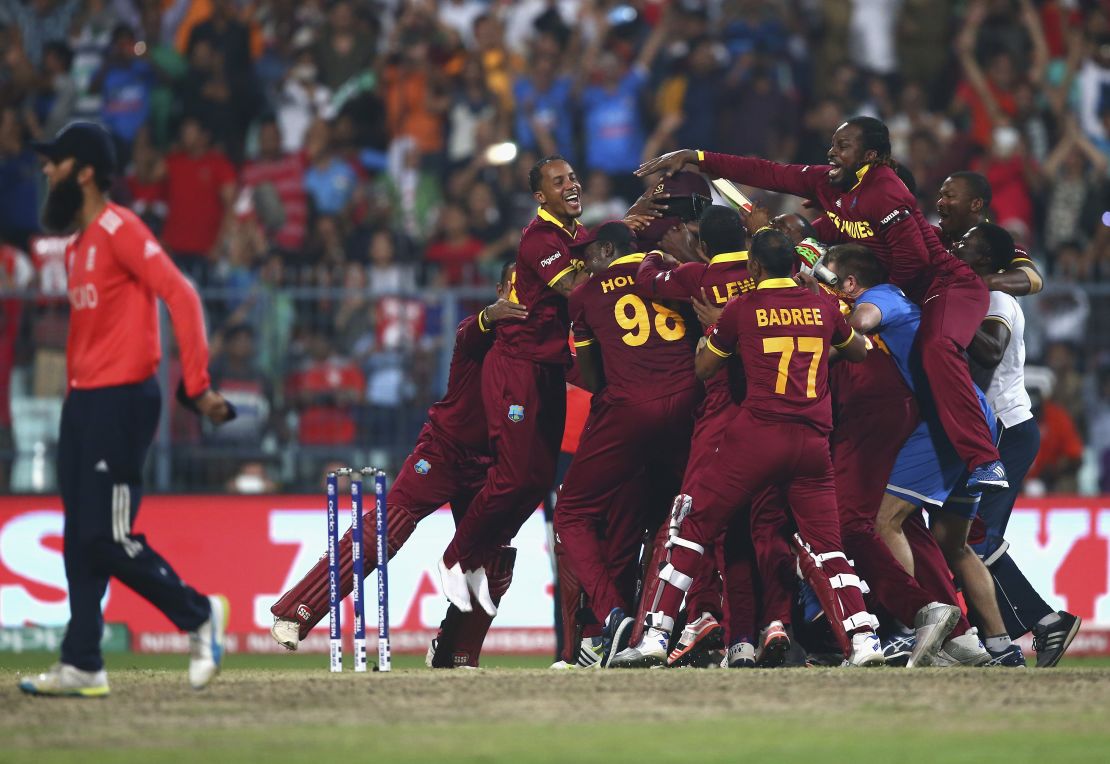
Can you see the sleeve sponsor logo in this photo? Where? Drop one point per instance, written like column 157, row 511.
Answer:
column 894, row 216
column 549, row 260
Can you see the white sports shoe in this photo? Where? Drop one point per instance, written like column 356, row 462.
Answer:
column 478, row 583
column 740, row 655
column 455, row 588
column 206, row 649
column 561, row 666
column 286, row 633
column 64, row 679
column 866, row 650
column 932, row 624
column 652, row 651
column 964, row 650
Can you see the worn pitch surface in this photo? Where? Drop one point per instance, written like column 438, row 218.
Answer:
column 291, row 710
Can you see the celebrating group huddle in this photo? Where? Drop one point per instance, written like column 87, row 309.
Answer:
column 778, row 471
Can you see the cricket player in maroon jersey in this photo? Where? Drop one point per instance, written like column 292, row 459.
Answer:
column 632, row 353
column 116, row 273
column 447, row 466
column 724, row 241
column 865, row 201
column 785, row 336
column 523, row 386
column 874, row 412
column 962, row 204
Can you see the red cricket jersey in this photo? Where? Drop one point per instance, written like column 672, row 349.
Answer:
column 783, row 333
column 460, row 415
column 722, row 278
column 643, row 351
column 878, row 212
column 543, row 258
column 115, row 269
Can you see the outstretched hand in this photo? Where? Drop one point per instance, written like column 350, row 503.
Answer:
column 668, row 164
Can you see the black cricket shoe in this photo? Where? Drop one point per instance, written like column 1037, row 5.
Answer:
column 1051, row 642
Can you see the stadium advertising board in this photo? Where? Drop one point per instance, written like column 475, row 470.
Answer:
column 252, row 548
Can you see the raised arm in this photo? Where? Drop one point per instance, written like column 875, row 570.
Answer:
column 797, row 179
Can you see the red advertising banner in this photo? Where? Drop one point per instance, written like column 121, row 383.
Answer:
column 252, row 548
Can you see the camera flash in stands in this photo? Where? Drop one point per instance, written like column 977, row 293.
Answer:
column 501, row 153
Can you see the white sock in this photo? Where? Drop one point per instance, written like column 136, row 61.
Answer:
column 998, row 644
column 1049, row 619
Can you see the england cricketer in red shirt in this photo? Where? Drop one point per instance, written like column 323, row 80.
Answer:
column 116, row 272
column 865, row 201
column 785, row 336
column 523, row 386
column 633, row 354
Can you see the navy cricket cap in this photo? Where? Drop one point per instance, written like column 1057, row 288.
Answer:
column 86, row 142
column 615, row 232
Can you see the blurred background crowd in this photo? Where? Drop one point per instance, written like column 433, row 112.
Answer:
column 343, row 178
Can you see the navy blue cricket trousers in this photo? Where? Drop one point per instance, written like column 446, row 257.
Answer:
column 105, row 435
column 1020, row 603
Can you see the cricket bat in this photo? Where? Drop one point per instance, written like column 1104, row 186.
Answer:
column 734, row 195
column 736, row 198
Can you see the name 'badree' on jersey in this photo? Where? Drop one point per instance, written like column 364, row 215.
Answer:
column 785, row 361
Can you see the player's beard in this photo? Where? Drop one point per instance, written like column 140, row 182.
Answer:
column 63, row 202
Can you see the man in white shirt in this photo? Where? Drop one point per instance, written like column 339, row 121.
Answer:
column 998, row 366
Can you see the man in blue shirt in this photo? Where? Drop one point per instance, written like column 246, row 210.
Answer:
column 544, row 120
column 927, row 470
column 125, row 83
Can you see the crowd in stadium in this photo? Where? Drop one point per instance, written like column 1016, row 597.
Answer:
column 363, row 145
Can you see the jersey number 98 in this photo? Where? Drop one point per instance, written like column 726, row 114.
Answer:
column 634, row 315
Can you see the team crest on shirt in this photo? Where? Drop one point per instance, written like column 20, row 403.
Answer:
column 422, row 467
column 516, row 413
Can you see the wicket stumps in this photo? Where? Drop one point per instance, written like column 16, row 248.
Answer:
column 358, row 601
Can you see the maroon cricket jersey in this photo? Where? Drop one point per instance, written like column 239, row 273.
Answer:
column 460, row 415
column 723, row 277
column 1021, row 254
column 642, row 342
column 878, row 212
column 783, row 333
column 543, row 258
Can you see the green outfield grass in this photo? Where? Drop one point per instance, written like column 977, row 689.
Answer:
column 287, row 709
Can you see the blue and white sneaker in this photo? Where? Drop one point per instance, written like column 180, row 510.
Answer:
column 897, row 649
column 206, row 648
column 1011, row 657
column 63, row 679
column 615, row 636
column 866, row 650
column 988, row 477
